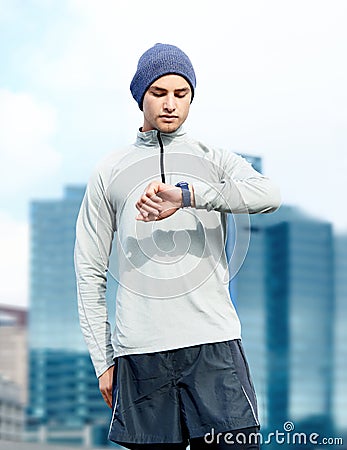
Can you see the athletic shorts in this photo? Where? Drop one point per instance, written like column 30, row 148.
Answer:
column 175, row 395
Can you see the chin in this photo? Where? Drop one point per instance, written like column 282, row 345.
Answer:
column 168, row 128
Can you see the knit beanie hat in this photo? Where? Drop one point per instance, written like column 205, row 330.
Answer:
column 162, row 59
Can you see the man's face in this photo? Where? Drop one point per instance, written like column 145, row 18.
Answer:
column 166, row 104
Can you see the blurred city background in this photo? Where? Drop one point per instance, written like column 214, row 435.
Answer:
column 271, row 86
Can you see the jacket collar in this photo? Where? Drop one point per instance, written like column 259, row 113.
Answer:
column 150, row 138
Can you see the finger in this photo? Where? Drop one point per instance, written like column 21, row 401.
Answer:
column 107, row 396
column 143, row 207
column 143, row 213
column 150, row 210
column 109, row 399
column 155, row 197
column 150, row 201
column 141, row 218
column 104, row 396
column 138, row 205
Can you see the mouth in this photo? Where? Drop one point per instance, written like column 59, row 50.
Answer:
column 168, row 117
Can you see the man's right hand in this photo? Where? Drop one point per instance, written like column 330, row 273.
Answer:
column 106, row 385
column 159, row 201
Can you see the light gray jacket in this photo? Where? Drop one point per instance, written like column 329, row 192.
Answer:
column 171, row 273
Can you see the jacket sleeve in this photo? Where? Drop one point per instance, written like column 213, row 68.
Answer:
column 94, row 234
column 240, row 188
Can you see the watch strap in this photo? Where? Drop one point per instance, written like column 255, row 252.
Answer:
column 186, row 197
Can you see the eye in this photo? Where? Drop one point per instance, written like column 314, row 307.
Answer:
column 181, row 94
column 157, row 94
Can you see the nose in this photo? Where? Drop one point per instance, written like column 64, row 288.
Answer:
column 170, row 103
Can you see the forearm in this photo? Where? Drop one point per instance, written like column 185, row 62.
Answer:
column 95, row 327
column 240, row 188
column 92, row 306
column 252, row 195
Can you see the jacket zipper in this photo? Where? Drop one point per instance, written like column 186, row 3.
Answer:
column 162, row 171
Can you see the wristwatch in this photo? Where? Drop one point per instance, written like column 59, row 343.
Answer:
column 186, row 201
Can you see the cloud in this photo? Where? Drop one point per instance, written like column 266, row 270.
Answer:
column 101, row 45
column 14, row 237
column 27, row 162
column 27, row 157
column 271, row 81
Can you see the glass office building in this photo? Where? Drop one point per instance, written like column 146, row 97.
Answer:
column 65, row 405
column 285, row 298
column 340, row 328
column 53, row 311
column 284, row 293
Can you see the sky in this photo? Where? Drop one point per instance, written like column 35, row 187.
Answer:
column 271, row 81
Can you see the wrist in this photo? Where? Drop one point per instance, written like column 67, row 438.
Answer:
column 192, row 196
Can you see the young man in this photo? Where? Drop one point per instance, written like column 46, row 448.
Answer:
column 174, row 370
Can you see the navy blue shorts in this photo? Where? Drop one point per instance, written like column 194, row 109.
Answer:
column 177, row 395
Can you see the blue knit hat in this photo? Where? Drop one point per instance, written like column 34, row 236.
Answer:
column 162, row 59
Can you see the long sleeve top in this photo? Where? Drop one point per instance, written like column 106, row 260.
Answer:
column 172, row 289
